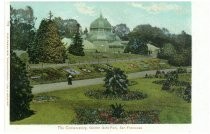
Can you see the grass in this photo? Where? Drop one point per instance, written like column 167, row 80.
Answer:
column 173, row 109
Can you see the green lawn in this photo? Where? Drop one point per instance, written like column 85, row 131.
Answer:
column 173, row 109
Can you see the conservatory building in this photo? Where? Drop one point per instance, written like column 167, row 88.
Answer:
column 101, row 38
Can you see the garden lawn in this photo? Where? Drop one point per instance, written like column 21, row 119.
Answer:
column 173, row 109
column 103, row 56
column 52, row 75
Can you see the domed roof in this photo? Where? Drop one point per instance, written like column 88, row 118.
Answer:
column 100, row 23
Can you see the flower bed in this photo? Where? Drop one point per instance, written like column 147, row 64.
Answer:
column 103, row 116
column 100, row 94
column 40, row 99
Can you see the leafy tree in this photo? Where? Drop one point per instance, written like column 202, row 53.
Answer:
column 122, row 31
column 48, row 43
column 116, row 82
column 182, row 45
column 167, row 51
column 20, row 89
column 183, row 41
column 76, row 48
column 22, row 30
column 174, row 47
column 66, row 27
column 147, row 33
column 177, row 60
column 136, row 46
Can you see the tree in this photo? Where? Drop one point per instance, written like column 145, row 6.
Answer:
column 76, row 48
column 122, row 31
column 20, row 89
column 116, row 82
column 22, row 30
column 86, row 31
column 147, row 33
column 136, row 46
column 67, row 27
column 34, row 52
column 167, row 51
column 48, row 43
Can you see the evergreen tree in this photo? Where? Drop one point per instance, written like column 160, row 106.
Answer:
column 48, row 43
column 34, row 52
column 86, row 31
column 20, row 89
column 116, row 82
column 76, row 48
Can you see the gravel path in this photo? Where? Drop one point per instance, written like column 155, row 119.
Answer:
column 82, row 83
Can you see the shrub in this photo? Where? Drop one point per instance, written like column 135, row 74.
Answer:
column 181, row 70
column 117, row 110
column 167, row 51
column 172, row 77
column 159, row 74
column 166, row 85
column 146, row 75
column 116, row 82
column 187, row 93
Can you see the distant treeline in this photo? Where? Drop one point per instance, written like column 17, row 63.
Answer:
column 176, row 48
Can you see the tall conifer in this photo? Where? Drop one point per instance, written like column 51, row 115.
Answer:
column 20, row 89
column 51, row 49
column 76, row 48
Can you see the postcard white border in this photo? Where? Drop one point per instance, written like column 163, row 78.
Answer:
column 200, row 84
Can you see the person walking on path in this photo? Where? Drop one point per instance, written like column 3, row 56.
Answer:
column 69, row 79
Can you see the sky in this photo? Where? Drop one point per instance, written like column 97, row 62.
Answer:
column 175, row 16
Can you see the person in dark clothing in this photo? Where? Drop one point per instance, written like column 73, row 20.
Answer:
column 69, row 79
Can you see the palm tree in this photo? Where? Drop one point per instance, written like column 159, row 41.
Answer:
column 116, row 82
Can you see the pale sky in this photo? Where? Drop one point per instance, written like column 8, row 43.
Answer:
column 175, row 16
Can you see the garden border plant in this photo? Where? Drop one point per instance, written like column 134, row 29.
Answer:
column 115, row 115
